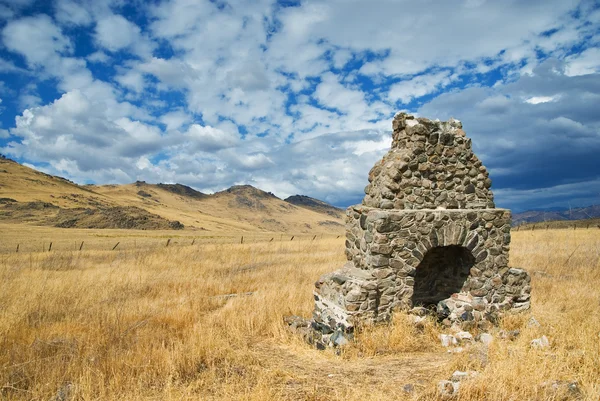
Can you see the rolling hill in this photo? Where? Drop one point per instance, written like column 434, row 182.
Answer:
column 32, row 197
column 315, row 205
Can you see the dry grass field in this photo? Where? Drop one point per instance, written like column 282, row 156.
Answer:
column 155, row 322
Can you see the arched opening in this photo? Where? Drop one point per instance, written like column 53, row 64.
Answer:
column 442, row 272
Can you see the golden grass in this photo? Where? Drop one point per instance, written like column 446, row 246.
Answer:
column 152, row 323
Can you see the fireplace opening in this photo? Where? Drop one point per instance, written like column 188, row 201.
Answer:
column 442, row 272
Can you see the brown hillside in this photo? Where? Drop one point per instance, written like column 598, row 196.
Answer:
column 315, row 205
column 149, row 206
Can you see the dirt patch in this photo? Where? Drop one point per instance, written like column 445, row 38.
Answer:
column 306, row 370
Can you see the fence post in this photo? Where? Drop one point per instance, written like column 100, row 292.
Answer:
column 194, row 240
column 116, row 245
column 50, row 247
column 315, row 237
column 242, row 240
column 291, row 239
column 271, row 239
column 81, row 246
column 17, row 248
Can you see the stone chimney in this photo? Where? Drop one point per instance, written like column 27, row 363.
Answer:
column 431, row 165
column 427, row 236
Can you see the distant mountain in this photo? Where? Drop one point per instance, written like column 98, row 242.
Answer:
column 315, row 205
column 182, row 190
column 246, row 196
column 32, row 197
column 536, row 216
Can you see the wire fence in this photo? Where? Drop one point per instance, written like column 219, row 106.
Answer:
column 140, row 243
column 543, row 226
column 28, row 244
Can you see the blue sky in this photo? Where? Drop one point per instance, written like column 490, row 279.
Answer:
column 297, row 97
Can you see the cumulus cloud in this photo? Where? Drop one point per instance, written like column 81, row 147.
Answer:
column 588, row 62
column 175, row 119
column 419, row 86
column 209, row 139
column 212, row 93
column 36, row 38
column 98, row 57
column 72, row 13
column 89, row 131
column 115, row 33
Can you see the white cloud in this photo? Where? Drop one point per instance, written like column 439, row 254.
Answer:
column 248, row 162
column 287, row 77
column 332, row 94
column 542, row 99
column 419, row 86
column 132, row 80
column 29, row 100
column 98, row 57
column 115, row 33
column 13, row 7
column 175, row 119
column 361, row 147
column 587, row 62
column 89, row 129
column 72, row 13
column 36, row 38
column 9, row 67
column 207, row 139
column 47, row 51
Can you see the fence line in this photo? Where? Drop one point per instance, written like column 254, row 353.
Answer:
column 533, row 227
column 58, row 245
column 154, row 242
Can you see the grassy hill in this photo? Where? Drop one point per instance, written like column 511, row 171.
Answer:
column 32, row 197
column 315, row 205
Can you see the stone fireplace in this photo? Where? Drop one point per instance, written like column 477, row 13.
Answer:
column 427, row 234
